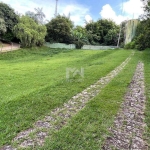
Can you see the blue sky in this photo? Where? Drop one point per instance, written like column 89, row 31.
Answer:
column 81, row 10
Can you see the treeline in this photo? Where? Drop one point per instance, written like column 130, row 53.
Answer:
column 30, row 30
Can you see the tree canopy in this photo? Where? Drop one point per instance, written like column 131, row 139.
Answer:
column 59, row 30
column 2, row 26
column 29, row 32
column 10, row 18
column 103, row 31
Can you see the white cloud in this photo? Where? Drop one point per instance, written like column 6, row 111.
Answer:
column 133, row 8
column 108, row 13
column 88, row 18
column 130, row 8
column 77, row 12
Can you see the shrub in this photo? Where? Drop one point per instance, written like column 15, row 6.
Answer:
column 127, row 46
column 79, row 44
column 131, row 45
column 29, row 32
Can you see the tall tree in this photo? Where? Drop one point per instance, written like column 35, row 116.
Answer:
column 93, row 32
column 40, row 15
column 2, row 26
column 10, row 18
column 146, row 7
column 29, row 32
column 80, row 33
column 103, row 32
column 59, row 30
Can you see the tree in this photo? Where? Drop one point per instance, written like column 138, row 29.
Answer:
column 93, row 33
column 59, row 30
column 10, row 18
column 31, row 15
column 38, row 16
column 146, row 7
column 2, row 26
column 29, row 32
column 111, row 37
column 102, row 32
column 80, row 33
column 104, row 26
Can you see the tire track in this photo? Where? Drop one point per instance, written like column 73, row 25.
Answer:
column 128, row 130
column 60, row 116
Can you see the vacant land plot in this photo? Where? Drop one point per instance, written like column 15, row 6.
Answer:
column 33, row 83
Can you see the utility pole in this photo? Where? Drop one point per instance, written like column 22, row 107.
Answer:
column 119, row 36
column 120, row 29
column 56, row 8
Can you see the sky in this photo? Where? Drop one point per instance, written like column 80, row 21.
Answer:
column 81, row 10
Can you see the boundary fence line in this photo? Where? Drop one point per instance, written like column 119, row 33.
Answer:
column 72, row 46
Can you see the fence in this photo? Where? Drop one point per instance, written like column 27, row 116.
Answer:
column 9, row 47
column 98, row 47
column 72, row 46
column 60, row 45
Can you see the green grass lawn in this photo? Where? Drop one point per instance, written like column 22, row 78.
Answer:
column 33, row 82
column 146, row 60
column 89, row 128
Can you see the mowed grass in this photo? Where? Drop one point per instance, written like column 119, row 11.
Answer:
column 146, row 59
column 89, row 128
column 33, row 82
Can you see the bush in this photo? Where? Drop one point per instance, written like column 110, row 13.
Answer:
column 127, row 46
column 122, row 45
column 79, row 44
column 29, row 32
column 131, row 45
column 141, row 42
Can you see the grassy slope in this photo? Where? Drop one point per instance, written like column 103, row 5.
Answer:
column 88, row 129
column 146, row 59
column 33, row 82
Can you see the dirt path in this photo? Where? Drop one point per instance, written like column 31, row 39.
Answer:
column 9, row 47
column 60, row 116
column 128, row 130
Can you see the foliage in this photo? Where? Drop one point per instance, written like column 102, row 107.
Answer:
column 79, row 35
column 131, row 45
column 146, row 14
column 10, row 18
column 111, row 37
column 142, row 35
column 79, row 44
column 143, row 30
column 93, row 33
column 103, row 32
column 59, row 30
column 29, row 32
column 2, row 26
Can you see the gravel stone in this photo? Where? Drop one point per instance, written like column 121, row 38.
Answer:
column 130, row 120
